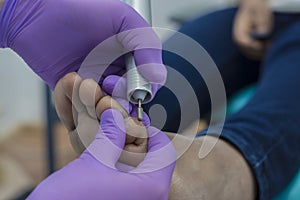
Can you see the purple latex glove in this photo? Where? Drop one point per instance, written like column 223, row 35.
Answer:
column 115, row 86
column 55, row 36
column 94, row 175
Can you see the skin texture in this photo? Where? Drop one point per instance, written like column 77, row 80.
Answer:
column 254, row 16
column 80, row 103
column 223, row 174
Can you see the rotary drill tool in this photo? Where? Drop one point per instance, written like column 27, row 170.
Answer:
column 139, row 90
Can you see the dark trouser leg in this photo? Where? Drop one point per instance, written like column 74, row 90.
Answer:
column 214, row 33
column 266, row 130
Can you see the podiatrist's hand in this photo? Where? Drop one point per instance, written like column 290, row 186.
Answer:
column 98, row 175
column 253, row 17
column 55, row 37
column 79, row 104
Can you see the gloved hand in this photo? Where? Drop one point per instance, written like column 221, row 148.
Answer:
column 79, row 103
column 115, row 86
column 95, row 176
column 54, row 38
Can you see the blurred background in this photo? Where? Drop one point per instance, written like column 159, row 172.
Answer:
column 25, row 159
column 32, row 141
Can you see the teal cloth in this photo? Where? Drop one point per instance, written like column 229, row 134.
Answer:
column 292, row 191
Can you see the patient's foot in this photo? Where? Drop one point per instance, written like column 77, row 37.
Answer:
column 136, row 139
column 80, row 103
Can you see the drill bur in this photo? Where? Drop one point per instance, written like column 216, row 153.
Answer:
column 140, row 110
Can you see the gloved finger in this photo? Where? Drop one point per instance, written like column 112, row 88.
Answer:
column 153, row 70
column 124, row 167
column 161, row 154
column 110, row 139
column 126, row 105
column 136, row 133
column 136, row 35
column 90, row 93
column 115, row 86
column 67, row 102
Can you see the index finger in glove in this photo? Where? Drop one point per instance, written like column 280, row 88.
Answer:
column 116, row 86
column 136, row 35
column 110, row 139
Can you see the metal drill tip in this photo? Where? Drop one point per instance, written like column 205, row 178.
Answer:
column 140, row 110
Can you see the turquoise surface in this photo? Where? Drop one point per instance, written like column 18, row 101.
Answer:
column 292, row 192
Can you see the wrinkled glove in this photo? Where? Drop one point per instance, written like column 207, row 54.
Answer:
column 95, row 174
column 55, row 37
